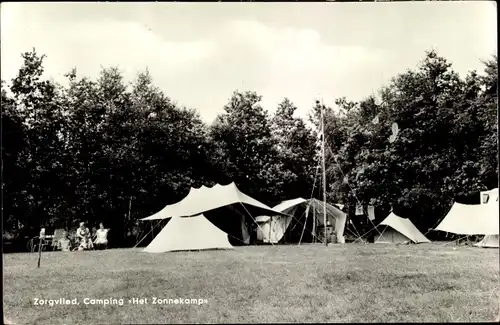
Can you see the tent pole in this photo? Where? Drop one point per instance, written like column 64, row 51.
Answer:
column 314, row 224
column 324, row 172
column 270, row 226
column 305, row 224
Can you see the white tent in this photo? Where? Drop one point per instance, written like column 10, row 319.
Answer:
column 489, row 241
column 189, row 233
column 468, row 219
column 271, row 230
column 302, row 214
column 399, row 230
column 205, row 198
column 224, row 205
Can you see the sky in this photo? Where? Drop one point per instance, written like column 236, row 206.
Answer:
column 199, row 53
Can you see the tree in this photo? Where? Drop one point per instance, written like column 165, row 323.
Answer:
column 488, row 117
column 296, row 146
column 172, row 148
column 444, row 124
column 39, row 105
column 14, row 146
column 245, row 148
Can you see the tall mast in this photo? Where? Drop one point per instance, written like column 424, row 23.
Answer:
column 324, row 172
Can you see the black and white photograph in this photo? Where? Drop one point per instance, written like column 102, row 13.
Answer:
column 250, row 162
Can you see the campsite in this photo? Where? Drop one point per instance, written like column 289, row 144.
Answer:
column 248, row 171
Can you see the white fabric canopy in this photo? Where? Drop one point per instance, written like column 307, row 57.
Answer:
column 285, row 205
column 262, row 218
column 489, row 241
column 403, row 226
column 188, row 233
column 477, row 219
column 204, row 199
column 273, row 229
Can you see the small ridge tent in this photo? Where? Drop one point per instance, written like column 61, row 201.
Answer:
column 189, row 233
column 223, row 205
column 399, row 230
column 302, row 223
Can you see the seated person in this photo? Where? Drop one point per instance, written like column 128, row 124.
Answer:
column 64, row 244
column 83, row 236
column 101, row 240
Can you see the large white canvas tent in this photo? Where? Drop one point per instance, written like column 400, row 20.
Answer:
column 223, row 205
column 471, row 219
column 475, row 219
column 205, row 198
column 304, row 222
column 399, row 230
column 189, row 233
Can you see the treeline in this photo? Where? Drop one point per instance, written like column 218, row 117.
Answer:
column 445, row 147
column 107, row 151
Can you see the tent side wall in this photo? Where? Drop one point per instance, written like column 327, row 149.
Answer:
column 307, row 223
column 231, row 221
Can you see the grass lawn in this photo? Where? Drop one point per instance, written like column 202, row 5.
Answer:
column 259, row 284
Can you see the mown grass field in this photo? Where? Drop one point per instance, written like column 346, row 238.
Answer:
column 259, row 284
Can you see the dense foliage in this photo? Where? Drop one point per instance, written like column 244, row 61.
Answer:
column 104, row 150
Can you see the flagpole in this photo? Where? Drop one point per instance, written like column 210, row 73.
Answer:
column 324, row 172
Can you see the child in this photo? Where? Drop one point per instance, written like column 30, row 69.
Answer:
column 64, row 243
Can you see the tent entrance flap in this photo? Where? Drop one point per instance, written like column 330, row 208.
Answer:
column 234, row 221
column 305, row 222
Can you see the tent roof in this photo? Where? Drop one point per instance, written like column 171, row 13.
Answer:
column 262, row 218
column 189, row 233
column 331, row 210
column 471, row 219
column 406, row 227
column 288, row 204
column 205, row 198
